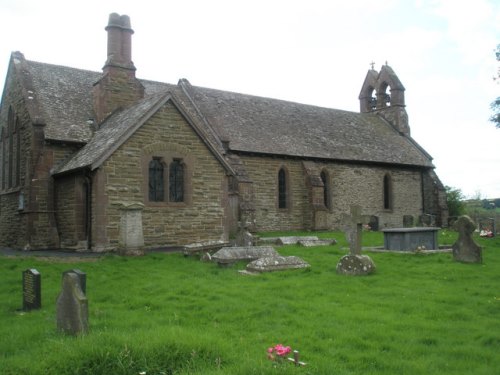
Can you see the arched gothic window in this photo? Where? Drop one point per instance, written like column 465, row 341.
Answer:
column 326, row 189
column 176, row 181
column 282, row 189
column 387, row 192
column 156, row 181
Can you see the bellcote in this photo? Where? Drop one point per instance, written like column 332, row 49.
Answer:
column 383, row 93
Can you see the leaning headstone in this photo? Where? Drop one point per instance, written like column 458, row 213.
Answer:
column 32, row 289
column 230, row 255
column 465, row 249
column 82, row 278
column 354, row 263
column 72, row 307
column 277, row 263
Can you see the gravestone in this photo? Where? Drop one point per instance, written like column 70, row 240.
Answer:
column 32, row 289
column 373, row 223
column 230, row 255
column 487, row 226
column 82, row 278
column 465, row 249
column 276, row 263
column 354, row 263
column 72, row 307
column 407, row 221
column 244, row 237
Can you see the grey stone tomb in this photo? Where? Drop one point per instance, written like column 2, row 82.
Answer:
column 230, row 255
column 410, row 239
column 276, row 263
column 32, row 289
column 354, row 263
column 465, row 249
column 72, row 307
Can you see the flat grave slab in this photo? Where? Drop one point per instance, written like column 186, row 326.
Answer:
column 309, row 243
column 231, row 255
column 277, row 263
column 293, row 240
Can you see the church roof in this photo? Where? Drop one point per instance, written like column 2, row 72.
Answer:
column 243, row 123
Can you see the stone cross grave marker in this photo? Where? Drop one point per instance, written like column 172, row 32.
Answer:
column 72, row 307
column 354, row 263
column 82, row 278
column 32, row 289
column 354, row 229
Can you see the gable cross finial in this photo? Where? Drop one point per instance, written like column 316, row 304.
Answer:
column 373, row 64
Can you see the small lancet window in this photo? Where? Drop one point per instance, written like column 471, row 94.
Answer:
column 282, row 189
column 156, row 181
column 176, row 181
column 387, row 192
column 326, row 189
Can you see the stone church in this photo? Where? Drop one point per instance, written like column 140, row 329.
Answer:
column 105, row 161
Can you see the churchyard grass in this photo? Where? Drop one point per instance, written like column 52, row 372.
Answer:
column 168, row 314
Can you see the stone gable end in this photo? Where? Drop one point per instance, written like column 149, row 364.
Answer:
column 166, row 135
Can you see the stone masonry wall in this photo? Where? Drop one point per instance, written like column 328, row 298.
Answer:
column 349, row 184
column 13, row 222
column 199, row 218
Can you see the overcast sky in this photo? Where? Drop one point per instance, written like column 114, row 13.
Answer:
column 315, row 52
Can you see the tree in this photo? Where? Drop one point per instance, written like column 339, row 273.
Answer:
column 495, row 105
column 454, row 199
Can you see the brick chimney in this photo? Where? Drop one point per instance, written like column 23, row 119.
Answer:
column 118, row 87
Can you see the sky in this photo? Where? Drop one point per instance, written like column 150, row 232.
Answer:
column 316, row 52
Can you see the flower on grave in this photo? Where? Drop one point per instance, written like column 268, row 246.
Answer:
column 278, row 352
column 486, row 233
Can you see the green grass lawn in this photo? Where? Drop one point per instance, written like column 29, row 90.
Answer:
column 168, row 314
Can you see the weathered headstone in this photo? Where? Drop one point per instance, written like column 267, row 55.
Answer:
column 230, row 255
column 82, row 278
column 72, row 307
column 407, row 221
column 465, row 249
column 276, row 263
column 32, row 289
column 354, row 263
column 244, row 237
column 373, row 223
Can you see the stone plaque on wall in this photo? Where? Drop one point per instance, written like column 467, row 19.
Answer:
column 131, row 232
column 32, row 290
